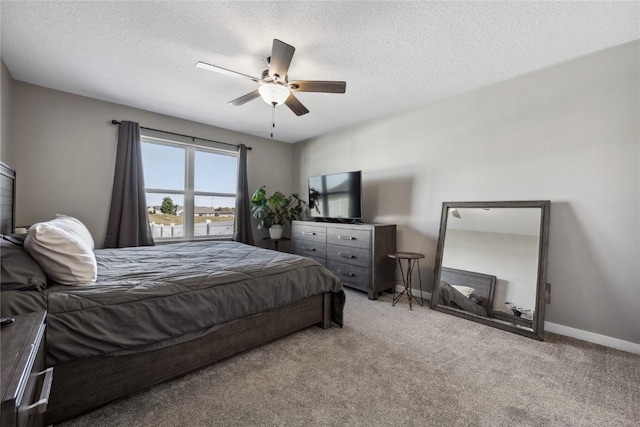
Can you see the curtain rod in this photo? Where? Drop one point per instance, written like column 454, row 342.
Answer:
column 115, row 122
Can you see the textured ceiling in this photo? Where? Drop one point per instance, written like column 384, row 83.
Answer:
column 394, row 56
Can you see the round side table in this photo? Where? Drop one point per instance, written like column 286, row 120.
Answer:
column 412, row 261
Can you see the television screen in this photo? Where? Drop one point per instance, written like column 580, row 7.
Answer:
column 337, row 195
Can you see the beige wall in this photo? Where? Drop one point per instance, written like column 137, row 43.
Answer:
column 64, row 154
column 6, row 114
column 569, row 134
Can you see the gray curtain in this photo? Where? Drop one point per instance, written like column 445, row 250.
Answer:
column 242, row 227
column 128, row 221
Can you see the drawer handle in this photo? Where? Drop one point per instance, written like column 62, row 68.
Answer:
column 345, row 255
column 346, row 237
column 309, row 233
column 40, row 407
column 304, row 248
column 346, row 273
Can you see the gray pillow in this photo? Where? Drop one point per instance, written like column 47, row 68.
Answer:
column 18, row 271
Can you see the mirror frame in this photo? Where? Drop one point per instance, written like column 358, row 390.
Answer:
column 543, row 249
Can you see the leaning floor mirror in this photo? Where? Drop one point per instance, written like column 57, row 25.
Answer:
column 491, row 264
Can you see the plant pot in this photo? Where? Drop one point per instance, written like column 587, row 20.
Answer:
column 275, row 231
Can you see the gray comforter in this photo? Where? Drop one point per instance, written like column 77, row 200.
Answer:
column 150, row 297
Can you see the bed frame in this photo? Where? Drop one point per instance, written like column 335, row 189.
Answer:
column 82, row 385
column 483, row 284
column 86, row 384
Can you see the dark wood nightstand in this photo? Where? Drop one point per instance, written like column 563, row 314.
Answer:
column 276, row 241
column 25, row 383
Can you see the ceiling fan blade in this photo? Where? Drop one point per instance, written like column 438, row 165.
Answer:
column 295, row 105
column 318, row 86
column 245, row 98
column 224, row 71
column 281, row 55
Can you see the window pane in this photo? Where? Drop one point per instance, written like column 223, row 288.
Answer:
column 214, row 216
column 165, row 215
column 163, row 166
column 215, row 173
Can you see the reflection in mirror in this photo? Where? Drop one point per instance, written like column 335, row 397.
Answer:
column 491, row 263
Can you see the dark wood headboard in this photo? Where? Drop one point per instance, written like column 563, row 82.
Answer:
column 484, row 284
column 7, row 199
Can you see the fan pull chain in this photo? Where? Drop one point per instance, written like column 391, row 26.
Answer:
column 273, row 119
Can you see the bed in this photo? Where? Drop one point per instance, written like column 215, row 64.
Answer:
column 158, row 312
column 479, row 301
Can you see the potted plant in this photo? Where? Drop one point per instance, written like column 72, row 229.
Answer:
column 275, row 211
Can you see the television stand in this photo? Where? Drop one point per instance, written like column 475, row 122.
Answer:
column 356, row 253
column 338, row 220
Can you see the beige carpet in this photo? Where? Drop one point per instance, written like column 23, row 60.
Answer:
column 390, row 366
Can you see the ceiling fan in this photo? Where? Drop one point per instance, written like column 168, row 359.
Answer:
column 275, row 88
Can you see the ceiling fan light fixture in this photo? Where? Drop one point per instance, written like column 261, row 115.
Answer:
column 274, row 94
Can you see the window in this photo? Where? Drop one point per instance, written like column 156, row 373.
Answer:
column 190, row 189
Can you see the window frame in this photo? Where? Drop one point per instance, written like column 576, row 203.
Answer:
column 189, row 194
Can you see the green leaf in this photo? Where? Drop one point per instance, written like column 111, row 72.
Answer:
column 275, row 209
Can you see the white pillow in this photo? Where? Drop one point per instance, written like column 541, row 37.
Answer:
column 464, row 290
column 65, row 257
column 73, row 225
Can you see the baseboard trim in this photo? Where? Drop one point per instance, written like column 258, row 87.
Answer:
column 555, row 328
column 592, row 337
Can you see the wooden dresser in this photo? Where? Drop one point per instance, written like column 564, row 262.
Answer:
column 25, row 382
column 356, row 253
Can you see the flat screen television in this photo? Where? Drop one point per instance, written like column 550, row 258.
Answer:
column 336, row 196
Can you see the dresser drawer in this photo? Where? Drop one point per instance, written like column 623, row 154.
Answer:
column 349, row 255
column 351, row 275
column 310, row 248
column 349, row 237
column 310, row 232
column 34, row 402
